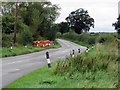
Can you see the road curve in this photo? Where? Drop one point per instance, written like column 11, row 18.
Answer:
column 17, row 66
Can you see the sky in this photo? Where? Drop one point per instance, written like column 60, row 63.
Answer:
column 104, row 12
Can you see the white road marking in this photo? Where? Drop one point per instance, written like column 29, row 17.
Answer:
column 17, row 62
column 60, row 57
column 17, row 69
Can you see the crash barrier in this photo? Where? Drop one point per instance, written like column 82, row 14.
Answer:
column 42, row 43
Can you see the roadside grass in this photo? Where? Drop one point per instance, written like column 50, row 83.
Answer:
column 88, row 40
column 47, row 78
column 19, row 50
column 96, row 69
column 78, row 42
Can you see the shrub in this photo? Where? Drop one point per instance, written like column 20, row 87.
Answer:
column 59, row 35
column 105, row 38
column 91, row 40
column 25, row 37
column 84, row 37
column 7, row 40
column 51, row 34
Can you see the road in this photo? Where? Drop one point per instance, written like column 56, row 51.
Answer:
column 17, row 66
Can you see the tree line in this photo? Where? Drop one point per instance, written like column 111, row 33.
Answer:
column 36, row 20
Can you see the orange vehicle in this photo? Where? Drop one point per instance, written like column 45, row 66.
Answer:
column 42, row 43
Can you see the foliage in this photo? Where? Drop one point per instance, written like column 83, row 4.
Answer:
column 7, row 23
column 58, row 35
column 51, row 35
column 80, row 21
column 105, row 45
column 25, row 37
column 84, row 37
column 7, row 40
column 117, row 26
column 105, row 38
column 34, row 20
column 117, row 23
column 40, row 16
column 88, row 39
column 101, row 58
column 63, row 27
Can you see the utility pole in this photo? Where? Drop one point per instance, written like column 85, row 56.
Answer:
column 15, row 22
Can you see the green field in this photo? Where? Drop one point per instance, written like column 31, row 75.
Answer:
column 96, row 69
column 18, row 50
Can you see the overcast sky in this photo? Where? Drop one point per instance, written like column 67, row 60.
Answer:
column 104, row 12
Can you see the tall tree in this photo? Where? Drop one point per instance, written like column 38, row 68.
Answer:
column 40, row 16
column 80, row 20
column 117, row 26
column 63, row 27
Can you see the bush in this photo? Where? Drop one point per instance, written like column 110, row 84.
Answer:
column 91, row 40
column 51, row 34
column 25, row 37
column 71, row 35
column 40, row 38
column 59, row 35
column 107, row 37
column 84, row 37
column 7, row 40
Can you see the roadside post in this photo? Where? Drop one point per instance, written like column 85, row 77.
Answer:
column 87, row 49
column 48, row 59
column 78, row 50
column 11, row 46
column 70, row 53
column 25, row 46
column 73, row 53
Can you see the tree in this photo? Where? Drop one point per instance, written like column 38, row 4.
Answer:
column 63, row 27
column 117, row 23
column 117, row 26
column 7, row 23
column 40, row 16
column 34, row 17
column 51, row 34
column 80, row 21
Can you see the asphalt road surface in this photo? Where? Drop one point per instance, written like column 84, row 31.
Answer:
column 17, row 66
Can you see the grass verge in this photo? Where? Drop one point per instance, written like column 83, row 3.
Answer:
column 19, row 50
column 78, row 42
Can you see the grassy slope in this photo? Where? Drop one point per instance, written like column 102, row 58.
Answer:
column 97, row 68
column 79, row 42
column 46, row 78
column 22, row 50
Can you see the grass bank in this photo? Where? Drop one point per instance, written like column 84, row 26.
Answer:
column 86, row 39
column 19, row 50
column 96, row 69
column 47, row 78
